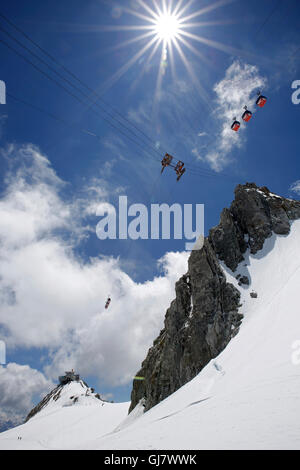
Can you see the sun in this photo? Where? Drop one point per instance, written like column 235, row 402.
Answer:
column 167, row 27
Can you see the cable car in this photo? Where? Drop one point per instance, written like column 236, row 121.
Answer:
column 247, row 115
column 235, row 125
column 261, row 100
column 166, row 161
column 179, row 168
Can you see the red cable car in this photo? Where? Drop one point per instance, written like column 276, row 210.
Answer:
column 235, row 125
column 261, row 100
column 247, row 115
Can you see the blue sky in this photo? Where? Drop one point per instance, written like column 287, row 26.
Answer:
column 54, row 174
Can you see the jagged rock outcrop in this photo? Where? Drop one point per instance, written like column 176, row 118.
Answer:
column 252, row 217
column 198, row 325
column 205, row 313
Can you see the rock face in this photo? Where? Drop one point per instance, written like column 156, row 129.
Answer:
column 53, row 395
column 205, row 313
column 252, row 217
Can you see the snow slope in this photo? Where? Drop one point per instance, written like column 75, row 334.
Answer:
column 74, row 417
column 246, row 398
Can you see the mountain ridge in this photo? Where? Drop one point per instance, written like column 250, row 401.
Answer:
column 68, row 394
column 206, row 313
column 247, row 397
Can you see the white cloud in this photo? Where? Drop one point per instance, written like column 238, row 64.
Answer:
column 19, row 386
column 197, row 154
column 236, row 90
column 50, row 298
column 295, row 187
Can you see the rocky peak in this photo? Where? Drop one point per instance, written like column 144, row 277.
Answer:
column 205, row 313
column 253, row 216
column 67, row 393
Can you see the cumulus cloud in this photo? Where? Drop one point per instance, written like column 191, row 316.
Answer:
column 236, row 90
column 19, row 385
column 50, row 298
column 295, row 187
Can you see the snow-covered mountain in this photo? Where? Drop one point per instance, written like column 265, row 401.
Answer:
column 247, row 397
column 68, row 415
column 207, row 311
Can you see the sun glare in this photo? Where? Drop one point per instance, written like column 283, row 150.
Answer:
column 167, row 27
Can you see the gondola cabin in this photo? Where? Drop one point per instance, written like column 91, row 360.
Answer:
column 247, row 115
column 166, row 161
column 261, row 101
column 180, row 170
column 235, row 126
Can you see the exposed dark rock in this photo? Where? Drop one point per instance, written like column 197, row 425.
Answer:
column 228, row 240
column 54, row 394
column 253, row 295
column 192, row 335
column 205, row 313
column 259, row 213
column 252, row 217
column 244, row 280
